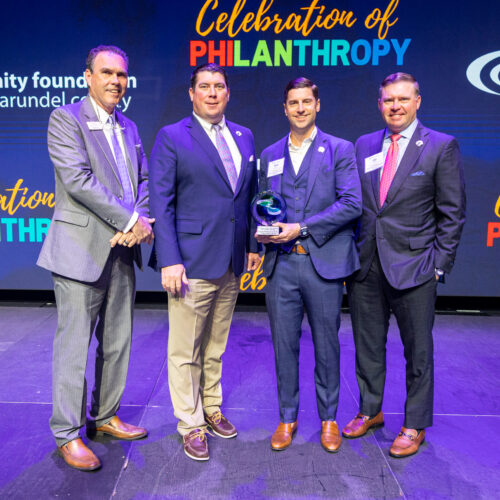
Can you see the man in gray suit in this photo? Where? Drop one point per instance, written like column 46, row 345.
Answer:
column 100, row 218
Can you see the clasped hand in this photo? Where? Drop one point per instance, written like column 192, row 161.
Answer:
column 141, row 232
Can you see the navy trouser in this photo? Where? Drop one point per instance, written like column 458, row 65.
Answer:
column 371, row 302
column 295, row 287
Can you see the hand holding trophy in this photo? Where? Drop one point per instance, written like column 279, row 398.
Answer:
column 268, row 207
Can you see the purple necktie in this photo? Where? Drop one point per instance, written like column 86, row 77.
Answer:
column 225, row 156
column 391, row 162
column 128, row 194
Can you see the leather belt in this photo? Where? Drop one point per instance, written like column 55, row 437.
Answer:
column 299, row 249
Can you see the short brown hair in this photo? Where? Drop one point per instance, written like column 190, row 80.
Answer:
column 399, row 77
column 213, row 68
column 301, row 83
column 104, row 48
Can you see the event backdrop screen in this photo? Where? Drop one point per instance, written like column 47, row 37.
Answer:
column 346, row 47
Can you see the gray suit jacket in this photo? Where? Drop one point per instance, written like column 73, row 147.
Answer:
column 88, row 209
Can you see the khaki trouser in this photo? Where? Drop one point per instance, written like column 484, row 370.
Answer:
column 199, row 325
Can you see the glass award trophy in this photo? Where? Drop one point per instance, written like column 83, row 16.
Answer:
column 268, row 207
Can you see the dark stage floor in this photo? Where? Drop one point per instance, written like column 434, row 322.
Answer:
column 460, row 459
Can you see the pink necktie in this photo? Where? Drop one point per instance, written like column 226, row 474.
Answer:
column 391, row 162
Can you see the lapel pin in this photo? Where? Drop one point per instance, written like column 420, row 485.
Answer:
column 321, row 149
column 238, row 133
column 419, row 143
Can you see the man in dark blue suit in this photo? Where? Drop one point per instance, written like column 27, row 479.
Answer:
column 203, row 173
column 413, row 214
column 306, row 264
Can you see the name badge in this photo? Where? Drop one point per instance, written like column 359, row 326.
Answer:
column 374, row 162
column 95, row 125
column 275, row 167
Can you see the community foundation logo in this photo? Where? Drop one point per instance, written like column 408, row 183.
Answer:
column 484, row 73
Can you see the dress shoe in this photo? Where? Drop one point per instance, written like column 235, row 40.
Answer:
column 360, row 424
column 282, row 437
column 196, row 445
column 330, row 436
column 78, row 456
column 120, row 430
column 407, row 443
column 221, row 425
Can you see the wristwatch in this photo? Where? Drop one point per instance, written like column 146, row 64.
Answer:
column 304, row 230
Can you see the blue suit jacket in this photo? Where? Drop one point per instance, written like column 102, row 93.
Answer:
column 200, row 222
column 420, row 224
column 333, row 203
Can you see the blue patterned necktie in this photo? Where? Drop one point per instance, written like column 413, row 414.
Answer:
column 128, row 194
column 225, row 156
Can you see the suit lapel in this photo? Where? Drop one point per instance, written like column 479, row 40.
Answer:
column 90, row 115
column 319, row 146
column 374, row 148
column 274, row 182
column 408, row 161
column 199, row 134
column 238, row 139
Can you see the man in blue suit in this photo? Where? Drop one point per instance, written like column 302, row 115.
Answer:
column 306, row 264
column 413, row 215
column 203, row 177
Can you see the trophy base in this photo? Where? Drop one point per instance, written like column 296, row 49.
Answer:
column 268, row 230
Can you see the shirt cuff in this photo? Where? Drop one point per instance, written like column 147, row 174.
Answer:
column 131, row 222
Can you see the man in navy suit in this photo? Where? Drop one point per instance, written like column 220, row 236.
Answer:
column 413, row 214
column 306, row 264
column 203, row 177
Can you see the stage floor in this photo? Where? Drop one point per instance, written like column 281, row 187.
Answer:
column 459, row 459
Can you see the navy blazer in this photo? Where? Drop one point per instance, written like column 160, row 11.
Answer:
column 200, row 222
column 332, row 205
column 419, row 226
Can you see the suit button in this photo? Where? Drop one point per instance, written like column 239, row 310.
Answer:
column 232, row 219
column 120, row 197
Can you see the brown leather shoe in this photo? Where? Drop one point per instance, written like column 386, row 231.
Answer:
column 120, row 430
column 221, row 425
column 282, row 437
column 407, row 443
column 360, row 424
column 196, row 445
column 78, row 456
column 330, row 436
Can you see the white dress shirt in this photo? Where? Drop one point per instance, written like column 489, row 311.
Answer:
column 297, row 153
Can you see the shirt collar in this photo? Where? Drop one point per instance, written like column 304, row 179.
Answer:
column 305, row 142
column 207, row 125
column 102, row 115
column 406, row 133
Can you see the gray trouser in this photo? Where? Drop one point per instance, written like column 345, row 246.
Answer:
column 109, row 303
